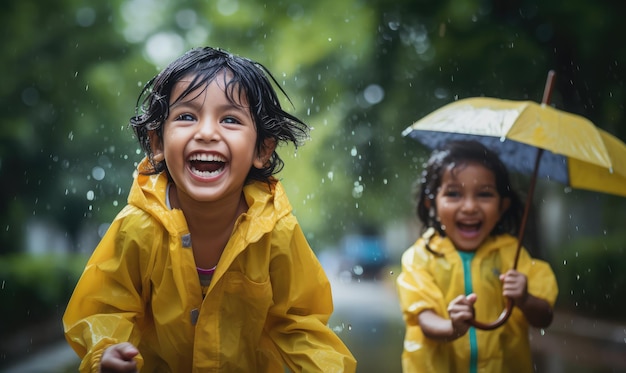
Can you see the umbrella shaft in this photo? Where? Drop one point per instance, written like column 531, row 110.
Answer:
column 529, row 202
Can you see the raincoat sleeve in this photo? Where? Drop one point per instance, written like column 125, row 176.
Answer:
column 417, row 288
column 297, row 322
column 109, row 299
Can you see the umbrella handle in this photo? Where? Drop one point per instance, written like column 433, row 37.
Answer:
column 504, row 316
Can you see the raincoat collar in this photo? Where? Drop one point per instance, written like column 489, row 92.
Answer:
column 267, row 203
column 443, row 245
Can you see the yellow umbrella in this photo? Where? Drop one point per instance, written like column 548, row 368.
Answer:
column 531, row 138
column 581, row 155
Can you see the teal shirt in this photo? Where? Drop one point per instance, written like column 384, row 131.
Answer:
column 466, row 258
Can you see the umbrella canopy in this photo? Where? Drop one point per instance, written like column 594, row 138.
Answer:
column 577, row 153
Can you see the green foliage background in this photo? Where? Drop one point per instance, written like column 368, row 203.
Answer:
column 72, row 71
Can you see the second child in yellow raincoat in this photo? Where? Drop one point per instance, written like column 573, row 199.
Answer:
column 206, row 268
column 460, row 269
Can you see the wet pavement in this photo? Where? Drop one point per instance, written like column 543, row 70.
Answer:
column 56, row 358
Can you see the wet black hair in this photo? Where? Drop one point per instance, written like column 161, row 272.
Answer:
column 247, row 78
column 455, row 154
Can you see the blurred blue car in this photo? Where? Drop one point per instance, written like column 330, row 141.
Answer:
column 363, row 255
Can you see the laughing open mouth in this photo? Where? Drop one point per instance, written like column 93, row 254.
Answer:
column 206, row 165
column 469, row 227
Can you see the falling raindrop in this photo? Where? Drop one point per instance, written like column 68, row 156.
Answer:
column 357, row 270
column 90, row 195
column 98, row 173
column 85, row 16
column 357, row 191
column 373, row 94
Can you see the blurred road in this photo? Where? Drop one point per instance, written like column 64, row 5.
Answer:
column 367, row 318
column 57, row 358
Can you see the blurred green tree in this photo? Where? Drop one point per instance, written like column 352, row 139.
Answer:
column 359, row 72
column 58, row 126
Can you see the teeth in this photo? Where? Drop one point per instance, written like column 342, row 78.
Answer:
column 203, row 157
column 205, row 173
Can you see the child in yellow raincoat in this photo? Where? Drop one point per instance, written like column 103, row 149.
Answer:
column 206, row 268
column 460, row 269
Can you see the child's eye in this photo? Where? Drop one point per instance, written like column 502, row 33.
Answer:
column 452, row 193
column 185, row 117
column 486, row 194
column 230, row 120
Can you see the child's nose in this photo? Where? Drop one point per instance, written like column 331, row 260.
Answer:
column 469, row 204
column 208, row 130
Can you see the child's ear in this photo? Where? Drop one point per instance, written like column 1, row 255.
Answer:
column 156, row 145
column 264, row 153
column 504, row 205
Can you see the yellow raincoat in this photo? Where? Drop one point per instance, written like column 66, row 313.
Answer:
column 268, row 303
column 430, row 283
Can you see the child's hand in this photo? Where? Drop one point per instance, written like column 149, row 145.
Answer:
column 515, row 286
column 119, row 358
column 461, row 310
